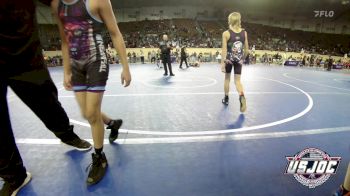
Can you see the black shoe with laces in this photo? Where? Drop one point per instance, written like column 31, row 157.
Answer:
column 11, row 189
column 225, row 100
column 114, row 126
column 97, row 168
column 78, row 144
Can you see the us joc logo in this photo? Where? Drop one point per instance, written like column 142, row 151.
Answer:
column 312, row 167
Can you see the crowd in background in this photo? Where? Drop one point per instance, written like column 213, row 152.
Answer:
column 53, row 61
column 280, row 58
column 207, row 34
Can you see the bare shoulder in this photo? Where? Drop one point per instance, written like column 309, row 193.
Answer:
column 101, row 4
column 226, row 34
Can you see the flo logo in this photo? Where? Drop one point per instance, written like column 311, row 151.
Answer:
column 323, row 13
column 312, row 167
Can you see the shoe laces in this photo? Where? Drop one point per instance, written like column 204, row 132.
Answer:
column 95, row 161
column 110, row 125
column 88, row 168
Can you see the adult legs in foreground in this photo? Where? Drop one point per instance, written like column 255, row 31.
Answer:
column 12, row 170
column 36, row 89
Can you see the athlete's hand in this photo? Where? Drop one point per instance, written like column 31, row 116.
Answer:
column 125, row 77
column 67, row 82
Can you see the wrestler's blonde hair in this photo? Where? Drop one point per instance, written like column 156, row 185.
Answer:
column 234, row 20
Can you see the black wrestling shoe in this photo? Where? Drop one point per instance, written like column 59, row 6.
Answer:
column 225, row 100
column 11, row 189
column 97, row 169
column 78, row 144
column 114, row 126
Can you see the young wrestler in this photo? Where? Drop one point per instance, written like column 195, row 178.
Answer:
column 235, row 49
column 85, row 65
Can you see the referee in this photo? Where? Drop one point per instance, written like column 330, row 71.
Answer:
column 165, row 48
